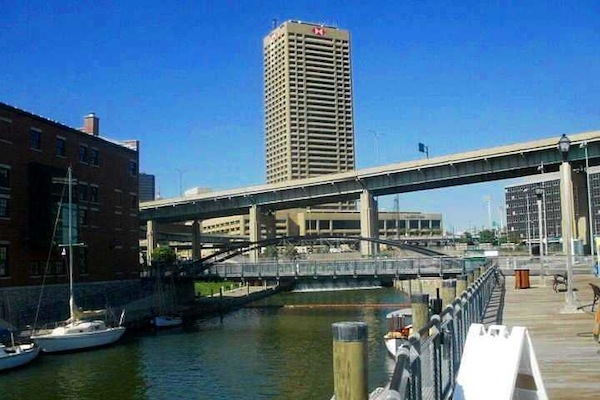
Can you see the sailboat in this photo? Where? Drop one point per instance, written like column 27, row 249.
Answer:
column 78, row 333
column 163, row 318
column 16, row 355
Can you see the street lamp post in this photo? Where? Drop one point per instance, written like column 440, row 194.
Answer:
column 181, row 172
column 567, row 216
column 528, row 236
column 545, row 248
column 539, row 193
column 397, row 209
column 584, row 145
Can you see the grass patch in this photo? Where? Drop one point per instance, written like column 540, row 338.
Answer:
column 206, row 288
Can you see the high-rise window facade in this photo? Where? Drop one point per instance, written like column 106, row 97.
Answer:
column 308, row 101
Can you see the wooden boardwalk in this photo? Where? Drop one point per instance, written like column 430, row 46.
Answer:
column 566, row 351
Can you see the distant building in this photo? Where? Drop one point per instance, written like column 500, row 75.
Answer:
column 147, row 187
column 34, row 155
column 301, row 222
column 520, row 195
column 309, row 120
column 517, row 198
column 196, row 191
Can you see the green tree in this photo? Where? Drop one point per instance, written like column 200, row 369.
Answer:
column 466, row 238
column 271, row 251
column 513, row 237
column 164, row 254
column 487, row 236
column 290, row 252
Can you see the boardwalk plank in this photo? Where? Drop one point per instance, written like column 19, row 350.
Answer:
column 567, row 353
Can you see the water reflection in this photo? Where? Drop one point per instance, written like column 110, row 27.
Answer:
column 256, row 353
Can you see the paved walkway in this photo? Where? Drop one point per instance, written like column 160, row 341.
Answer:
column 566, row 351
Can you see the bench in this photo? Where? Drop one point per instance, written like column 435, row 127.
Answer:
column 559, row 279
column 596, row 290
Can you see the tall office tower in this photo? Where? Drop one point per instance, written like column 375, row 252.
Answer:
column 147, row 191
column 308, row 101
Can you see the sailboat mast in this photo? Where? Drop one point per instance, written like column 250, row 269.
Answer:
column 70, row 243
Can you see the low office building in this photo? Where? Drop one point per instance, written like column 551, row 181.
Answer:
column 522, row 207
column 301, row 222
column 35, row 153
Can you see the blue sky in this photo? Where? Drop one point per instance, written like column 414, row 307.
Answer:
column 185, row 78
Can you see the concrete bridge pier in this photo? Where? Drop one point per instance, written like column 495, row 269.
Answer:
column 260, row 217
column 196, row 240
column 369, row 223
column 151, row 240
column 254, row 230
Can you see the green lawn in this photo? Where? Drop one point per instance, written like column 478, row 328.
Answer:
column 204, row 288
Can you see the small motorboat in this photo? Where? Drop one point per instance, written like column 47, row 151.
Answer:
column 399, row 329
column 163, row 321
column 16, row 355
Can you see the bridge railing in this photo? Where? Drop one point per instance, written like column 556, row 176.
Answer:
column 547, row 265
column 427, row 365
column 350, row 268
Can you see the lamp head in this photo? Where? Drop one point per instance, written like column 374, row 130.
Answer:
column 563, row 146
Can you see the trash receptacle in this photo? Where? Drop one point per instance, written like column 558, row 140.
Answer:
column 522, row 278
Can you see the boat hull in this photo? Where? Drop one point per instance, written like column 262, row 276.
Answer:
column 52, row 343
column 392, row 345
column 166, row 322
column 23, row 355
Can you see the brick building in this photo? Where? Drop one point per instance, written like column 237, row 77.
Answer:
column 35, row 153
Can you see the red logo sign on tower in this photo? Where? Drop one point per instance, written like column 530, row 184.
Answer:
column 319, row 30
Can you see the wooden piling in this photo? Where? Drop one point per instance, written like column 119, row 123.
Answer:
column 461, row 284
column 420, row 311
column 350, row 361
column 448, row 292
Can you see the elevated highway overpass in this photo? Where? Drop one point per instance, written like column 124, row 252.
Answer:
column 484, row 165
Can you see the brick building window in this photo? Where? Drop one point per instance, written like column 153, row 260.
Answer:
column 132, row 168
column 94, row 194
column 83, row 154
column 4, row 207
column 35, row 268
column 61, row 147
column 83, row 264
column 4, row 260
column 4, row 177
column 83, row 217
column 5, row 129
column 83, row 192
column 35, row 139
column 95, row 157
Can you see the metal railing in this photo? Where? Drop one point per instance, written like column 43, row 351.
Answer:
column 431, row 266
column 427, row 365
column 547, row 265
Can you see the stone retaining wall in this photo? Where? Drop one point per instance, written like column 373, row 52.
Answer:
column 18, row 305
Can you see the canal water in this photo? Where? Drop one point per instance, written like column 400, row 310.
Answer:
column 281, row 349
